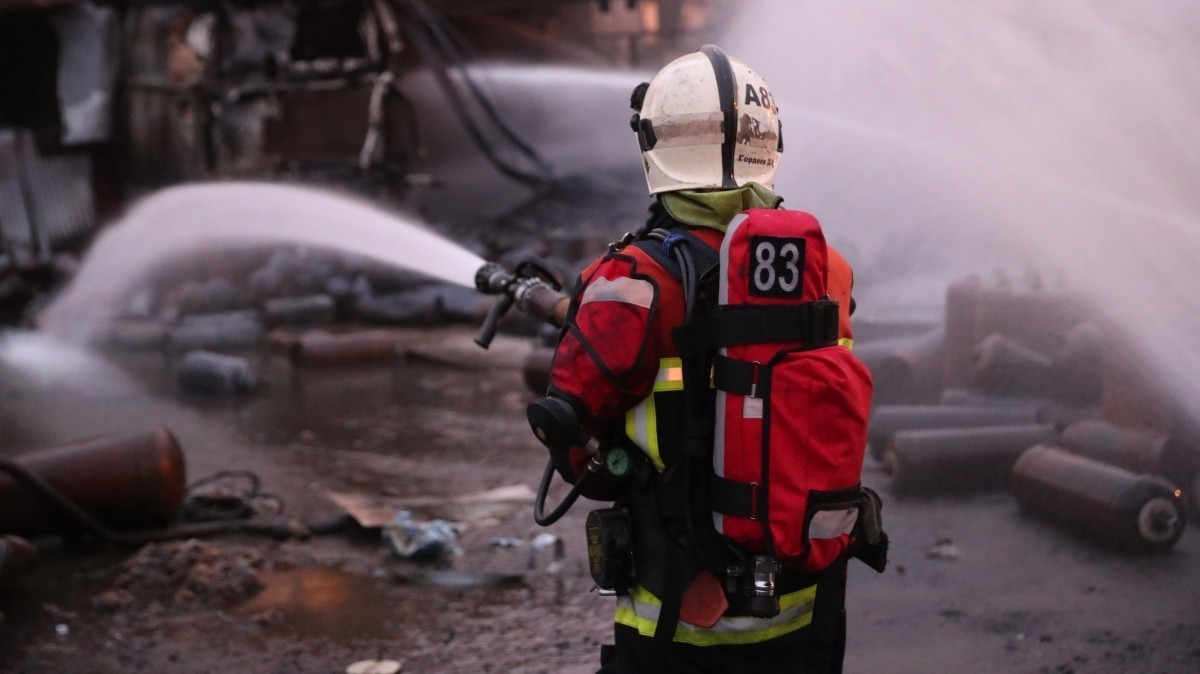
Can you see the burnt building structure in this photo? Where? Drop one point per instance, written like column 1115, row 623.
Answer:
column 101, row 101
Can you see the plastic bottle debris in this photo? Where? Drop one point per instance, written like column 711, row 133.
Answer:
column 541, row 542
column 421, row 541
column 506, row 543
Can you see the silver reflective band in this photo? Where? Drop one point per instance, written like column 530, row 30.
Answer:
column 832, row 523
column 632, row 291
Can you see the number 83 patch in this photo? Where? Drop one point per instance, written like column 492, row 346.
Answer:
column 778, row 266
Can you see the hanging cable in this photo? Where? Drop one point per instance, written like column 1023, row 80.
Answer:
column 436, row 49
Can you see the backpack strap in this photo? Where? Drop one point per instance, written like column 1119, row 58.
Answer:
column 811, row 325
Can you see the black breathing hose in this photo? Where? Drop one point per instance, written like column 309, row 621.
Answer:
column 539, row 504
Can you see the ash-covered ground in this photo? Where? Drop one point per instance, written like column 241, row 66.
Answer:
column 973, row 584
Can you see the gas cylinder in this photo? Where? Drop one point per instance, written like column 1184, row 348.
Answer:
column 1110, row 504
column 300, row 311
column 124, row 481
column 324, row 348
column 1139, row 451
column 888, row 419
column 959, row 459
column 215, row 374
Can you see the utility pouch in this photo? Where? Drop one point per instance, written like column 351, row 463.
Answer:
column 610, row 549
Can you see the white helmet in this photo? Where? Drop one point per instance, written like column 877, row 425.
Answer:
column 707, row 121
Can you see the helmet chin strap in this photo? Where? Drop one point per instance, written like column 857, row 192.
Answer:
column 727, row 94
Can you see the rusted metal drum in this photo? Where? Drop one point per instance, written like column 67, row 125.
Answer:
column 124, row 481
column 955, row 460
column 1134, row 450
column 324, row 348
column 887, row 420
column 1110, row 504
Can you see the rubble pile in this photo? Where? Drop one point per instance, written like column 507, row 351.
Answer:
column 189, row 573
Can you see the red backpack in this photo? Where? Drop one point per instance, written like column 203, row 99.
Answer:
column 788, row 430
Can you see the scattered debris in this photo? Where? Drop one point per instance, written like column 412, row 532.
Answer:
column 457, row 578
column 186, row 573
column 541, row 542
column 421, row 541
column 507, row 543
column 943, row 549
column 374, row 511
column 374, row 667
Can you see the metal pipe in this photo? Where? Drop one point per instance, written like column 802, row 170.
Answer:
column 1110, row 504
column 959, row 459
column 890, row 419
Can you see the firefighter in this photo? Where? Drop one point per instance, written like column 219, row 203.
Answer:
column 710, row 137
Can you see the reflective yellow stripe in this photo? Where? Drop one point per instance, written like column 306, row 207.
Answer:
column 846, row 342
column 641, row 422
column 670, row 375
column 640, row 610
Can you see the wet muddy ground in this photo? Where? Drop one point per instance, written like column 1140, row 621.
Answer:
column 973, row 584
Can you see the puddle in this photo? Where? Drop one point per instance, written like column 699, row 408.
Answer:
column 322, row 601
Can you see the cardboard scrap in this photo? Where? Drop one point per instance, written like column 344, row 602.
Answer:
column 374, row 511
